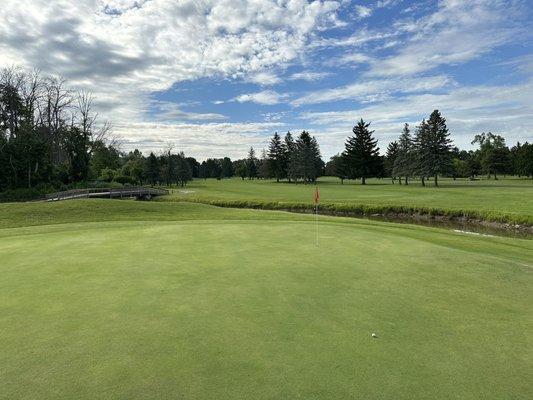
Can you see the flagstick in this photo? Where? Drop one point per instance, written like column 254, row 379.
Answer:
column 316, row 223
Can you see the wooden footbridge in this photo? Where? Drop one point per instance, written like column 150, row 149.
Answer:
column 139, row 192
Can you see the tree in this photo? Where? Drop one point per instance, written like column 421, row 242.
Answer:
column 133, row 168
column 195, row 167
column 152, row 169
column 420, row 146
column 390, row 158
column 277, row 155
column 183, row 170
column 107, row 174
column 493, row 153
column 523, row 159
column 404, row 164
column 213, row 168
column 438, row 149
column 362, row 153
column 251, row 164
column 168, row 167
column 263, row 169
column 290, row 150
column 226, row 168
column 240, row 169
column 78, row 153
column 336, row 167
column 103, row 156
column 306, row 162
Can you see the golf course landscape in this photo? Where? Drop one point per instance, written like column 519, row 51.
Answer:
column 124, row 299
column 266, row 200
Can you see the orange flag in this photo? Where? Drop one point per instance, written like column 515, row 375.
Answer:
column 316, row 197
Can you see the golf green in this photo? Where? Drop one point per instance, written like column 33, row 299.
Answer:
column 240, row 304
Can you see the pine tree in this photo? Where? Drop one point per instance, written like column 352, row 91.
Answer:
column 404, row 165
column 290, row 150
column 251, row 164
column 421, row 158
column 439, row 147
column 306, row 163
column 263, row 167
column 362, row 153
column 277, row 157
column 390, row 158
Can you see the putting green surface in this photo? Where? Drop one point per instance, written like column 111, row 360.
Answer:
column 239, row 304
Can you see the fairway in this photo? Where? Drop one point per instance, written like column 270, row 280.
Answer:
column 509, row 199
column 131, row 300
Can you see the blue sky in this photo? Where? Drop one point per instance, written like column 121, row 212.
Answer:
column 213, row 78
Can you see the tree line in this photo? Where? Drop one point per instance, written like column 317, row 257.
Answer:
column 426, row 153
column 50, row 138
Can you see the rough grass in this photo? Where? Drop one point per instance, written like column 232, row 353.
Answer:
column 505, row 200
column 133, row 300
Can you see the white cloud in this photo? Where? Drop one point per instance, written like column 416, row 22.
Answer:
column 264, row 78
column 168, row 111
column 469, row 110
column 265, row 97
column 199, row 140
column 124, row 50
column 145, row 46
column 309, row 76
column 457, row 32
column 363, row 11
column 374, row 90
column 348, row 59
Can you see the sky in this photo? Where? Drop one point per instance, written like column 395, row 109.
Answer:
column 214, row 77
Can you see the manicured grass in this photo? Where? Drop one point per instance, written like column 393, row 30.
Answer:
column 507, row 200
column 176, row 300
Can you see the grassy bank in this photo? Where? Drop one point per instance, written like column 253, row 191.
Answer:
column 505, row 200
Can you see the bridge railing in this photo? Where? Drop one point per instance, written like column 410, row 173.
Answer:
column 133, row 191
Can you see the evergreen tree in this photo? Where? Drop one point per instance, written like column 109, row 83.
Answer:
column 263, row 168
column 390, row 158
column 438, row 153
column 251, row 164
column 362, row 153
column 404, row 164
column 152, row 169
column 277, row 157
column 290, row 152
column 421, row 147
column 306, row 161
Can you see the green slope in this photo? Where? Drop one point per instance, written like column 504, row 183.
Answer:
column 164, row 300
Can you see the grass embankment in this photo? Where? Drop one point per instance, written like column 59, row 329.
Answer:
column 506, row 200
column 145, row 300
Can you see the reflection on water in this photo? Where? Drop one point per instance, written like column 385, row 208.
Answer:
column 469, row 228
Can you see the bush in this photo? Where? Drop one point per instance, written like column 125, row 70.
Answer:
column 25, row 194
